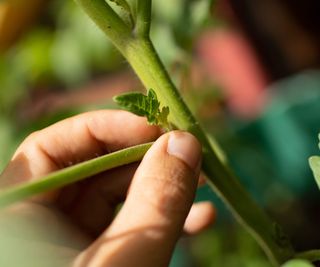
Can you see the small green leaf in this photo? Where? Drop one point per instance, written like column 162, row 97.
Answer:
column 297, row 263
column 163, row 117
column 152, row 94
column 145, row 105
column 133, row 102
column 314, row 163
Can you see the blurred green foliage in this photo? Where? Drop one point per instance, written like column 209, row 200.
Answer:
column 297, row 263
column 226, row 245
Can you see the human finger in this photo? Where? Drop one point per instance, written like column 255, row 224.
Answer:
column 159, row 199
column 201, row 216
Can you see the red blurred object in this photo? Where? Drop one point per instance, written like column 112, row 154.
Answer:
column 230, row 62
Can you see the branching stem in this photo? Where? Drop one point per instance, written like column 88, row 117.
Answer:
column 146, row 63
column 143, row 58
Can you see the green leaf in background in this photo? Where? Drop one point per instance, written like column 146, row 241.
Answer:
column 7, row 142
column 314, row 163
column 297, row 263
column 144, row 105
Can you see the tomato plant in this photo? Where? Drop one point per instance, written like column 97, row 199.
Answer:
column 127, row 24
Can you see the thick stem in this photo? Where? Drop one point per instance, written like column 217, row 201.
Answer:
column 108, row 20
column 73, row 174
column 144, row 60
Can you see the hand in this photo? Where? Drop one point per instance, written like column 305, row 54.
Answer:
column 78, row 221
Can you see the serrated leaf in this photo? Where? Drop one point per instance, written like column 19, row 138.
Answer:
column 152, row 94
column 154, row 104
column 141, row 105
column 163, row 117
column 144, row 105
column 314, row 163
column 136, row 103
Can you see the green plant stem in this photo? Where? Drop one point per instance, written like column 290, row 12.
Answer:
column 143, row 18
column 143, row 58
column 108, row 20
column 310, row 255
column 73, row 174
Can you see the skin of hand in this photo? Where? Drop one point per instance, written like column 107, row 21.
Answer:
column 80, row 220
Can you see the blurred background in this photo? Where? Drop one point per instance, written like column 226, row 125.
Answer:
column 248, row 69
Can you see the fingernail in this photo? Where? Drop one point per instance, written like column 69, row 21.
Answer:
column 186, row 147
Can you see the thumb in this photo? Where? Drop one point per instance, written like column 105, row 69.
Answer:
column 161, row 194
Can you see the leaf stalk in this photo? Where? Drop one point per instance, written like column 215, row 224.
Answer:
column 73, row 174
